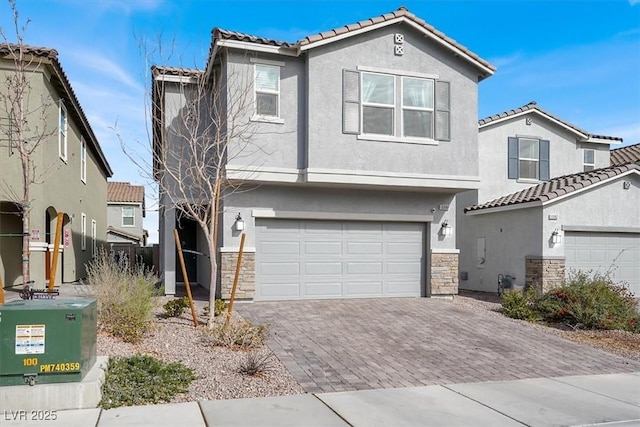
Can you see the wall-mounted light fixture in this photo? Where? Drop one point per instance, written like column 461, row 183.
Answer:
column 555, row 237
column 446, row 229
column 239, row 223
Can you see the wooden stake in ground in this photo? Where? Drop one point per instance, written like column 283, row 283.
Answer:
column 56, row 250
column 235, row 282
column 186, row 278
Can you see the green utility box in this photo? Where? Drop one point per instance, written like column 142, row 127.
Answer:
column 47, row 341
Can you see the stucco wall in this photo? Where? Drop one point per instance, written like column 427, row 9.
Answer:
column 114, row 218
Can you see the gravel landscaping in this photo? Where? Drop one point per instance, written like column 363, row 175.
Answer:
column 176, row 339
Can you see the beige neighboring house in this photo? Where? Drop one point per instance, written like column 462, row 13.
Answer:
column 72, row 174
column 125, row 213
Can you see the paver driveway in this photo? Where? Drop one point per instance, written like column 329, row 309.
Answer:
column 361, row 344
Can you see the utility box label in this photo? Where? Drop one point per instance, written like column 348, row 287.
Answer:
column 29, row 339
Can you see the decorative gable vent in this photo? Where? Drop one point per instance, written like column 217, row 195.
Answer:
column 398, row 38
column 399, row 50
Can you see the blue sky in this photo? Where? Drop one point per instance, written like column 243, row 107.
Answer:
column 580, row 60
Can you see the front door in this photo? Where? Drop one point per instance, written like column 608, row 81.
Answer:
column 188, row 231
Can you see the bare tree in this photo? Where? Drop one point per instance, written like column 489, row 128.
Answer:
column 24, row 124
column 201, row 121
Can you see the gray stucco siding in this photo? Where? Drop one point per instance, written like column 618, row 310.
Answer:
column 329, row 148
column 280, row 144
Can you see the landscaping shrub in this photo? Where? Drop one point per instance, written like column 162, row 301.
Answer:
column 519, row 305
column 175, row 307
column 125, row 295
column 592, row 302
column 141, row 380
column 239, row 334
column 218, row 309
column 256, row 363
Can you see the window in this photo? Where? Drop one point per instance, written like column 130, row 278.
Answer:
column 528, row 158
column 589, row 160
column 401, row 107
column 83, row 161
column 128, row 216
column 267, row 87
column 62, row 132
column 94, row 236
column 83, row 232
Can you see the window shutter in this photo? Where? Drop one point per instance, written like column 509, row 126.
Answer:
column 443, row 111
column 350, row 101
column 544, row 160
column 513, row 158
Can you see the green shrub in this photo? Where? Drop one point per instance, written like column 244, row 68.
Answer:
column 239, row 334
column 125, row 295
column 219, row 308
column 175, row 307
column 141, row 380
column 519, row 305
column 592, row 302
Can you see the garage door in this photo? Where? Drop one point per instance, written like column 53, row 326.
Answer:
column 303, row 259
column 618, row 253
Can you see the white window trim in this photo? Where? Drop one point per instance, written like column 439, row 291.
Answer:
column 132, row 216
column 261, row 117
column 83, row 231
column 403, row 108
column 83, row 160
column 529, row 159
column 380, row 105
column 94, row 237
column 585, row 164
column 63, row 136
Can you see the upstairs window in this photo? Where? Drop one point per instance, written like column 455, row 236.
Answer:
column 400, row 107
column 83, row 161
column 588, row 160
column 128, row 219
column 528, row 159
column 62, row 132
column 267, row 89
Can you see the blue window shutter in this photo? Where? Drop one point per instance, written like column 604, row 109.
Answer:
column 350, row 101
column 513, row 158
column 544, row 160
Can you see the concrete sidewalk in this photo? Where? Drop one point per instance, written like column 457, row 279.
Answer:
column 612, row 399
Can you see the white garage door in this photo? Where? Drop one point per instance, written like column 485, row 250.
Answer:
column 618, row 253
column 304, row 259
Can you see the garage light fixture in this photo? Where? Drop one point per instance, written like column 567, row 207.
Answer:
column 239, row 223
column 555, row 237
column 446, row 229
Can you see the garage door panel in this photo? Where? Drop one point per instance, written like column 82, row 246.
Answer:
column 615, row 253
column 280, row 269
column 405, row 248
column 323, row 248
column 323, row 268
column 364, row 267
column 338, row 259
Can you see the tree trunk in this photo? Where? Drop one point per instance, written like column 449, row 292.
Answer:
column 26, row 237
column 213, row 260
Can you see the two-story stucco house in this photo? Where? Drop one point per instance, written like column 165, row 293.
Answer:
column 125, row 213
column 70, row 175
column 364, row 135
column 549, row 202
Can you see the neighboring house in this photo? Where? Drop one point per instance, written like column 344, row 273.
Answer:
column 549, row 202
column 125, row 213
column 364, row 136
column 70, row 166
column 624, row 155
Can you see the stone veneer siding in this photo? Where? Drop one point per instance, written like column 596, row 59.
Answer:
column 544, row 273
column 246, row 280
column 444, row 274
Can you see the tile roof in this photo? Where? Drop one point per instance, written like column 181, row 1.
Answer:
column 63, row 85
column 175, row 71
column 124, row 192
column 533, row 106
column 402, row 12
column 628, row 154
column 556, row 187
column 114, row 230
